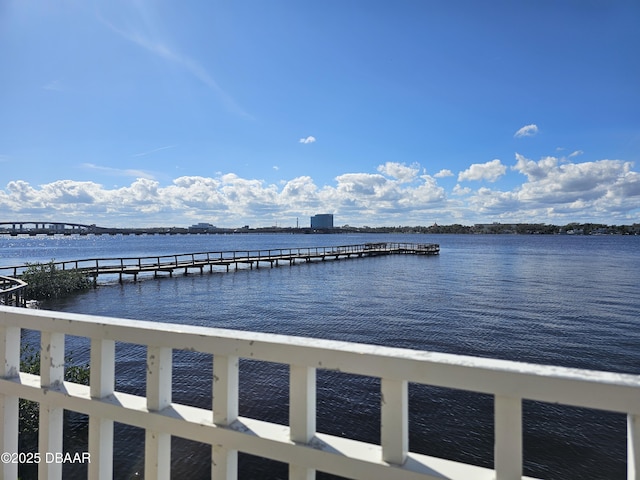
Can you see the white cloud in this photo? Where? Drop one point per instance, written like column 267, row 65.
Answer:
column 490, row 171
column 458, row 190
column 604, row 191
column 193, row 192
column 576, row 153
column 427, row 195
column 300, row 194
column 400, row 171
column 527, row 131
column 491, row 203
column 550, row 182
column 444, row 173
column 535, row 170
column 309, row 139
column 378, row 198
column 362, row 185
column 142, row 191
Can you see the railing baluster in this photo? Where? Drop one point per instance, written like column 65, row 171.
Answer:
column 9, row 367
column 508, row 438
column 633, row 447
column 50, row 427
column 394, row 427
column 302, row 414
column 224, row 464
column 157, row 460
column 101, row 429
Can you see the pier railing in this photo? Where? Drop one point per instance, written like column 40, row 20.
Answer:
column 299, row 443
column 12, row 291
column 200, row 260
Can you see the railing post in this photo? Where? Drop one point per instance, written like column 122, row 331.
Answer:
column 101, row 429
column 508, row 438
column 224, row 462
column 302, row 414
column 394, row 428
column 157, row 457
column 633, row 447
column 9, row 368
column 50, row 426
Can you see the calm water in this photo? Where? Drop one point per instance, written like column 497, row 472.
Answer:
column 564, row 300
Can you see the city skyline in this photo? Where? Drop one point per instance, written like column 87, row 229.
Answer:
column 139, row 113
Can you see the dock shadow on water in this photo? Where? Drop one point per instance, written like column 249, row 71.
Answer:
column 524, row 299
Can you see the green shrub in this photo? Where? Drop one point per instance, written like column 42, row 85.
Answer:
column 46, row 280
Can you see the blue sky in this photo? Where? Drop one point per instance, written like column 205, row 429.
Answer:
column 152, row 113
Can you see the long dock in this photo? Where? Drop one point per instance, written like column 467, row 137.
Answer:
column 225, row 260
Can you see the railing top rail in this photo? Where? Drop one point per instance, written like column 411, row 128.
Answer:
column 16, row 284
column 586, row 388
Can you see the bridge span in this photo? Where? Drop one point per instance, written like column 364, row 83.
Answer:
column 67, row 228
column 46, row 228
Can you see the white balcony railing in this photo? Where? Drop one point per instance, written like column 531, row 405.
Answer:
column 297, row 444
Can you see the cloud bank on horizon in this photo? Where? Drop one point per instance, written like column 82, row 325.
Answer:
column 146, row 113
column 553, row 191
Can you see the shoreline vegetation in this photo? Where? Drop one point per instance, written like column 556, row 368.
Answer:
column 509, row 228
column 46, row 280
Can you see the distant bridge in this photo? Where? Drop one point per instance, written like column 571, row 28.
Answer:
column 67, row 228
column 45, row 228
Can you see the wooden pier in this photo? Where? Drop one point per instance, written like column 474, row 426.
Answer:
column 225, row 260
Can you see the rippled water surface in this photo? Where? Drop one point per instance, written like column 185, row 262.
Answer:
column 564, row 300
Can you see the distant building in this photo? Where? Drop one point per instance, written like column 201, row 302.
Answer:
column 202, row 228
column 324, row 220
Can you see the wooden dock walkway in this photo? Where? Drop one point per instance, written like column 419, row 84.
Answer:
column 186, row 262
